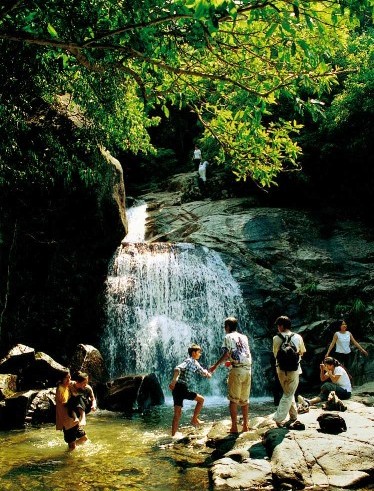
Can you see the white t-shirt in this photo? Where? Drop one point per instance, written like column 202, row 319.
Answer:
column 343, row 342
column 236, row 344
column 197, row 154
column 343, row 380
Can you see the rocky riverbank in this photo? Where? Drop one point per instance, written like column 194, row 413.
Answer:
column 271, row 458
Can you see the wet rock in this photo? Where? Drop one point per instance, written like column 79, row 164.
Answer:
column 42, row 408
column 8, row 385
column 88, row 359
column 17, row 359
column 229, row 475
column 42, row 372
column 119, row 394
column 150, row 393
column 16, row 409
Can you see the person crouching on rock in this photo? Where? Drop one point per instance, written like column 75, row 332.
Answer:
column 180, row 386
column 73, row 433
column 338, row 381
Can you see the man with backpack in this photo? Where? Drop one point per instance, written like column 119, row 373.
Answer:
column 288, row 348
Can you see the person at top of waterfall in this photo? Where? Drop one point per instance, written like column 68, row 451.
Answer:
column 197, row 155
column 73, row 432
column 180, row 386
column 342, row 341
column 82, row 399
column 202, row 170
column 335, row 378
column 237, row 356
column 288, row 376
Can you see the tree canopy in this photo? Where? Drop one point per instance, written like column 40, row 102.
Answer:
column 231, row 62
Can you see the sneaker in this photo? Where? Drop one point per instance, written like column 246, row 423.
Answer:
column 303, row 401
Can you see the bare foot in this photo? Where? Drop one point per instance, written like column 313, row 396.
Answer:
column 234, row 430
column 245, row 428
column 196, row 422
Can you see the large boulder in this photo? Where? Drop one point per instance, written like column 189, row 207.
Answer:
column 43, row 372
column 17, row 359
column 89, row 359
column 16, row 409
column 119, row 394
column 150, row 393
column 129, row 393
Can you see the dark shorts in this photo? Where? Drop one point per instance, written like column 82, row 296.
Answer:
column 73, row 434
column 181, row 392
column 327, row 387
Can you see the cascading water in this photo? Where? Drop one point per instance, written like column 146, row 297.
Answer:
column 163, row 297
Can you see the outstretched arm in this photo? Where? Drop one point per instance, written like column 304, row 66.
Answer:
column 333, row 343
column 219, row 361
column 359, row 346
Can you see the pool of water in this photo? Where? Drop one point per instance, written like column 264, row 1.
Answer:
column 121, row 454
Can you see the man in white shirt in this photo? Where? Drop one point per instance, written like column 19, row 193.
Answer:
column 236, row 355
column 289, row 380
column 197, row 156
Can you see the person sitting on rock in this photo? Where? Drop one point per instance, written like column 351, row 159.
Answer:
column 82, row 399
column 180, row 386
column 339, row 382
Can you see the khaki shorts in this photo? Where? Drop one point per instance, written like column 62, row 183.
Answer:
column 239, row 385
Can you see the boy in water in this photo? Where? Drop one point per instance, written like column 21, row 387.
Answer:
column 179, row 386
column 81, row 400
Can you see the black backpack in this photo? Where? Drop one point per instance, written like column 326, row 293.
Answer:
column 331, row 423
column 287, row 357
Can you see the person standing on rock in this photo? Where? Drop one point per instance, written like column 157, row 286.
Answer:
column 73, row 433
column 288, row 379
column 342, row 341
column 237, row 356
column 180, row 386
column 197, row 157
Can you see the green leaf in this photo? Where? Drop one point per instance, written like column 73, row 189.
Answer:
column 52, row 31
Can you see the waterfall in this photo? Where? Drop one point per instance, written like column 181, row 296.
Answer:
column 161, row 298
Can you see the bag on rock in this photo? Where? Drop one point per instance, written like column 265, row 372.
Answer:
column 333, row 403
column 287, row 357
column 331, row 423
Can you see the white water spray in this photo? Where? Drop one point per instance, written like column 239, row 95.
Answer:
column 160, row 299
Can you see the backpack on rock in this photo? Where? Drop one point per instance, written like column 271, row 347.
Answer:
column 331, row 423
column 287, row 357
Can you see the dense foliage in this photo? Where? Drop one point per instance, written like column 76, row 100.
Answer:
column 230, row 62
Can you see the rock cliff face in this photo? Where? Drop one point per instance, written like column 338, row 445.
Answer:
column 287, row 261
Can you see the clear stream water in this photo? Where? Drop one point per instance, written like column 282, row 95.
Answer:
column 121, row 454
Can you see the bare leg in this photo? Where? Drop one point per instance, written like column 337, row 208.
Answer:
column 82, row 417
column 75, row 416
column 234, row 417
column 176, row 419
column 71, row 445
column 315, row 400
column 245, row 417
column 199, row 405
